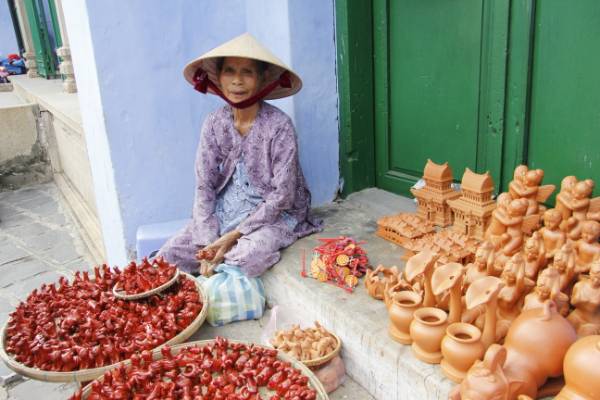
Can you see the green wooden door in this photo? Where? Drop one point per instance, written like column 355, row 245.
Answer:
column 439, row 87
column 45, row 34
column 564, row 128
column 488, row 84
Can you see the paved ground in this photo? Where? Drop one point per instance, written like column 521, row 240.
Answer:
column 38, row 245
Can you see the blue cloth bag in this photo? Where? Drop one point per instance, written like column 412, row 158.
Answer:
column 232, row 296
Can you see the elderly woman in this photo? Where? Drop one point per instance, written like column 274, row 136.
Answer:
column 251, row 197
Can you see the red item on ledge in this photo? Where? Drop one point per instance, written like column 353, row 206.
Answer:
column 340, row 261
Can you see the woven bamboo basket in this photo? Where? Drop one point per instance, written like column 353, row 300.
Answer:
column 314, row 382
column 327, row 357
column 321, row 360
column 122, row 295
column 86, row 375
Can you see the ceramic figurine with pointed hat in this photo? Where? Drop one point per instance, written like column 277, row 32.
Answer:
column 251, row 196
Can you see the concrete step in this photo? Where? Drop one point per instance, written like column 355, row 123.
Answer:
column 387, row 369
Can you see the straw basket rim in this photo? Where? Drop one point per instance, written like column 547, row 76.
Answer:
column 314, row 381
column 324, row 359
column 148, row 293
column 89, row 374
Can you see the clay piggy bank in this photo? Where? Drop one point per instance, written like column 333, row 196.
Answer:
column 533, row 351
column 582, row 376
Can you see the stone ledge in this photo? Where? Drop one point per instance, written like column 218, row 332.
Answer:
column 387, row 369
column 49, row 94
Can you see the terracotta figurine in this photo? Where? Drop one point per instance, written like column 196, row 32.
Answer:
column 552, row 236
column 586, row 300
column 575, row 207
column 526, row 185
column 499, row 220
column 422, row 265
column 549, row 278
column 587, row 249
column 376, row 280
column 449, row 277
column 511, row 296
column 564, row 262
column 512, row 240
column 582, row 375
column 534, row 256
column 484, row 292
column 483, row 264
column 533, row 351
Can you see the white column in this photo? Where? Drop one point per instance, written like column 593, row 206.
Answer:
column 29, row 54
column 64, row 52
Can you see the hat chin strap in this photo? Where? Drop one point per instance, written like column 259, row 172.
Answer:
column 202, row 83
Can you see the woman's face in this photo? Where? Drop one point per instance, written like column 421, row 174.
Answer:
column 239, row 78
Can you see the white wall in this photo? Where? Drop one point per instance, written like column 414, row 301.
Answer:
column 93, row 119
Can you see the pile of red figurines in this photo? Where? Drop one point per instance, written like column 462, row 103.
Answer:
column 81, row 325
column 220, row 370
column 340, row 261
column 145, row 276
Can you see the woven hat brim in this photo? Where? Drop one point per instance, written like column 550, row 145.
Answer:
column 248, row 47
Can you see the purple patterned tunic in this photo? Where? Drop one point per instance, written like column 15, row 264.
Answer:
column 270, row 158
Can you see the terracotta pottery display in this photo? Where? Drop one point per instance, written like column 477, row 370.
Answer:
column 461, row 347
column 431, row 199
column 445, row 278
column 526, row 185
column 586, row 300
column 512, row 295
column 564, row 263
column 533, row 351
column 401, row 314
column 512, row 240
column 582, row 375
column 537, row 342
column 486, row 379
column 483, row 264
column 552, row 236
column 391, row 292
column 575, row 206
column 534, row 256
column 587, row 249
column 376, row 280
column 422, row 265
column 484, row 292
column 402, row 227
column 499, row 220
column 551, row 278
column 427, row 330
column 541, row 294
column 450, row 245
column 473, row 210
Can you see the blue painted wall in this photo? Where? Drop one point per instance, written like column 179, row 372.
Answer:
column 8, row 41
column 312, row 32
column 153, row 116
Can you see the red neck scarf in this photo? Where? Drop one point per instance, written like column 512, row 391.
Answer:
column 202, row 83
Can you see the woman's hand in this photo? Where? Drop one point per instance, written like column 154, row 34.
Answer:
column 219, row 247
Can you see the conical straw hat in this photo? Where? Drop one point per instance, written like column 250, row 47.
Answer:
column 248, row 47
